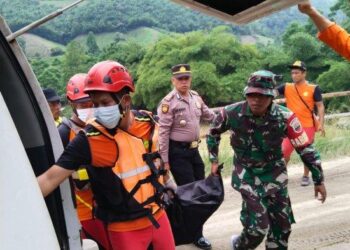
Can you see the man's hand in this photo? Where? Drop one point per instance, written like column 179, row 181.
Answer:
column 322, row 131
column 306, row 8
column 167, row 166
column 321, row 190
column 214, row 168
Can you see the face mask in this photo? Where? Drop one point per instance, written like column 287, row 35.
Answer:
column 108, row 116
column 85, row 114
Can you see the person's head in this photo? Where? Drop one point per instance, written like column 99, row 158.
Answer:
column 54, row 102
column 79, row 100
column 298, row 71
column 108, row 84
column 260, row 91
column 181, row 78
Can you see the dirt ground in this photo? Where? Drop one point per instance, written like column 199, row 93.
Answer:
column 319, row 226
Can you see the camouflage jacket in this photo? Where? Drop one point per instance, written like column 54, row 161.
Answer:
column 259, row 166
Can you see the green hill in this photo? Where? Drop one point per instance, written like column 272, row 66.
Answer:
column 143, row 36
column 38, row 46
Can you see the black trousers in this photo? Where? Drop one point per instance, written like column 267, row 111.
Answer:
column 186, row 165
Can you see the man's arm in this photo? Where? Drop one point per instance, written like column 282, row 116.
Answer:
column 165, row 122
column 320, row 21
column 77, row 153
column 280, row 89
column 333, row 35
column 53, row 177
column 207, row 114
column 307, row 153
column 321, row 114
column 217, row 127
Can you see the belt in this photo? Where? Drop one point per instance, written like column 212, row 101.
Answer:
column 190, row 145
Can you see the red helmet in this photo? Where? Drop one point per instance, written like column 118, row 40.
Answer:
column 75, row 88
column 109, row 76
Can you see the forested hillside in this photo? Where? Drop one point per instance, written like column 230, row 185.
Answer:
column 125, row 15
column 170, row 34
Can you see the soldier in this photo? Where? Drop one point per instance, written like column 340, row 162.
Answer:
column 179, row 114
column 258, row 127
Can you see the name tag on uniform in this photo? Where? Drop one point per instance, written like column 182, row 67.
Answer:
column 179, row 110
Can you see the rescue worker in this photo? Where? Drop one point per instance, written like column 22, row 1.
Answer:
column 81, row 105
column 127, row 185
column 179, row 114
column 258, row 127
column 54, row 102
column 301, row 98
column 330, row 33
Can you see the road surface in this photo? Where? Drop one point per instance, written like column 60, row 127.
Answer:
column 319, row 226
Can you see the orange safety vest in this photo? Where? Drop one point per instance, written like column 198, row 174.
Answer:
column 296, row 105
column 83, row 197
column 125, row 186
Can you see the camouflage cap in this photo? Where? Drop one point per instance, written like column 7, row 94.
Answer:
column 261, row 82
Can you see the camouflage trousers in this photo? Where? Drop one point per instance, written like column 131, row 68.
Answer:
column 271, row 215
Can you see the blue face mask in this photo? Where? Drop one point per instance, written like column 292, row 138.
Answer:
column 108, row 116
column 85, row 114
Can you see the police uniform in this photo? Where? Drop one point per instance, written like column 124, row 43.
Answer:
column 179, row 128
column 260, row 173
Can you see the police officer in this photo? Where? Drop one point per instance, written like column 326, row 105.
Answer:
column 179, row 114
column 258, row 127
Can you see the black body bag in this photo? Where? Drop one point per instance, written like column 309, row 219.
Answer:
column 192, row 205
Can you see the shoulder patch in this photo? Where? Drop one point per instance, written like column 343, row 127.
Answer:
column 91, row 131
column 90, row 134
column 165, row 108
column 141, row 115
column 296, row 125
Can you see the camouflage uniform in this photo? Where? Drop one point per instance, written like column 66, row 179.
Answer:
column 260, row 173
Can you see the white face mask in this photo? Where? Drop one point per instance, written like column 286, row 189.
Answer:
column 85, row 114
column 108, row 116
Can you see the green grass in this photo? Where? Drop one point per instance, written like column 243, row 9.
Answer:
column 36, row 45
column 102, row 39
column 334, row 145
column 143, row 36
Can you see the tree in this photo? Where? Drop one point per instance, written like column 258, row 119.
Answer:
column 220, row 66
column 75, row 60
column 92, row 47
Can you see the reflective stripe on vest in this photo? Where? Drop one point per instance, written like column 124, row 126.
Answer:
column 133, row 172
